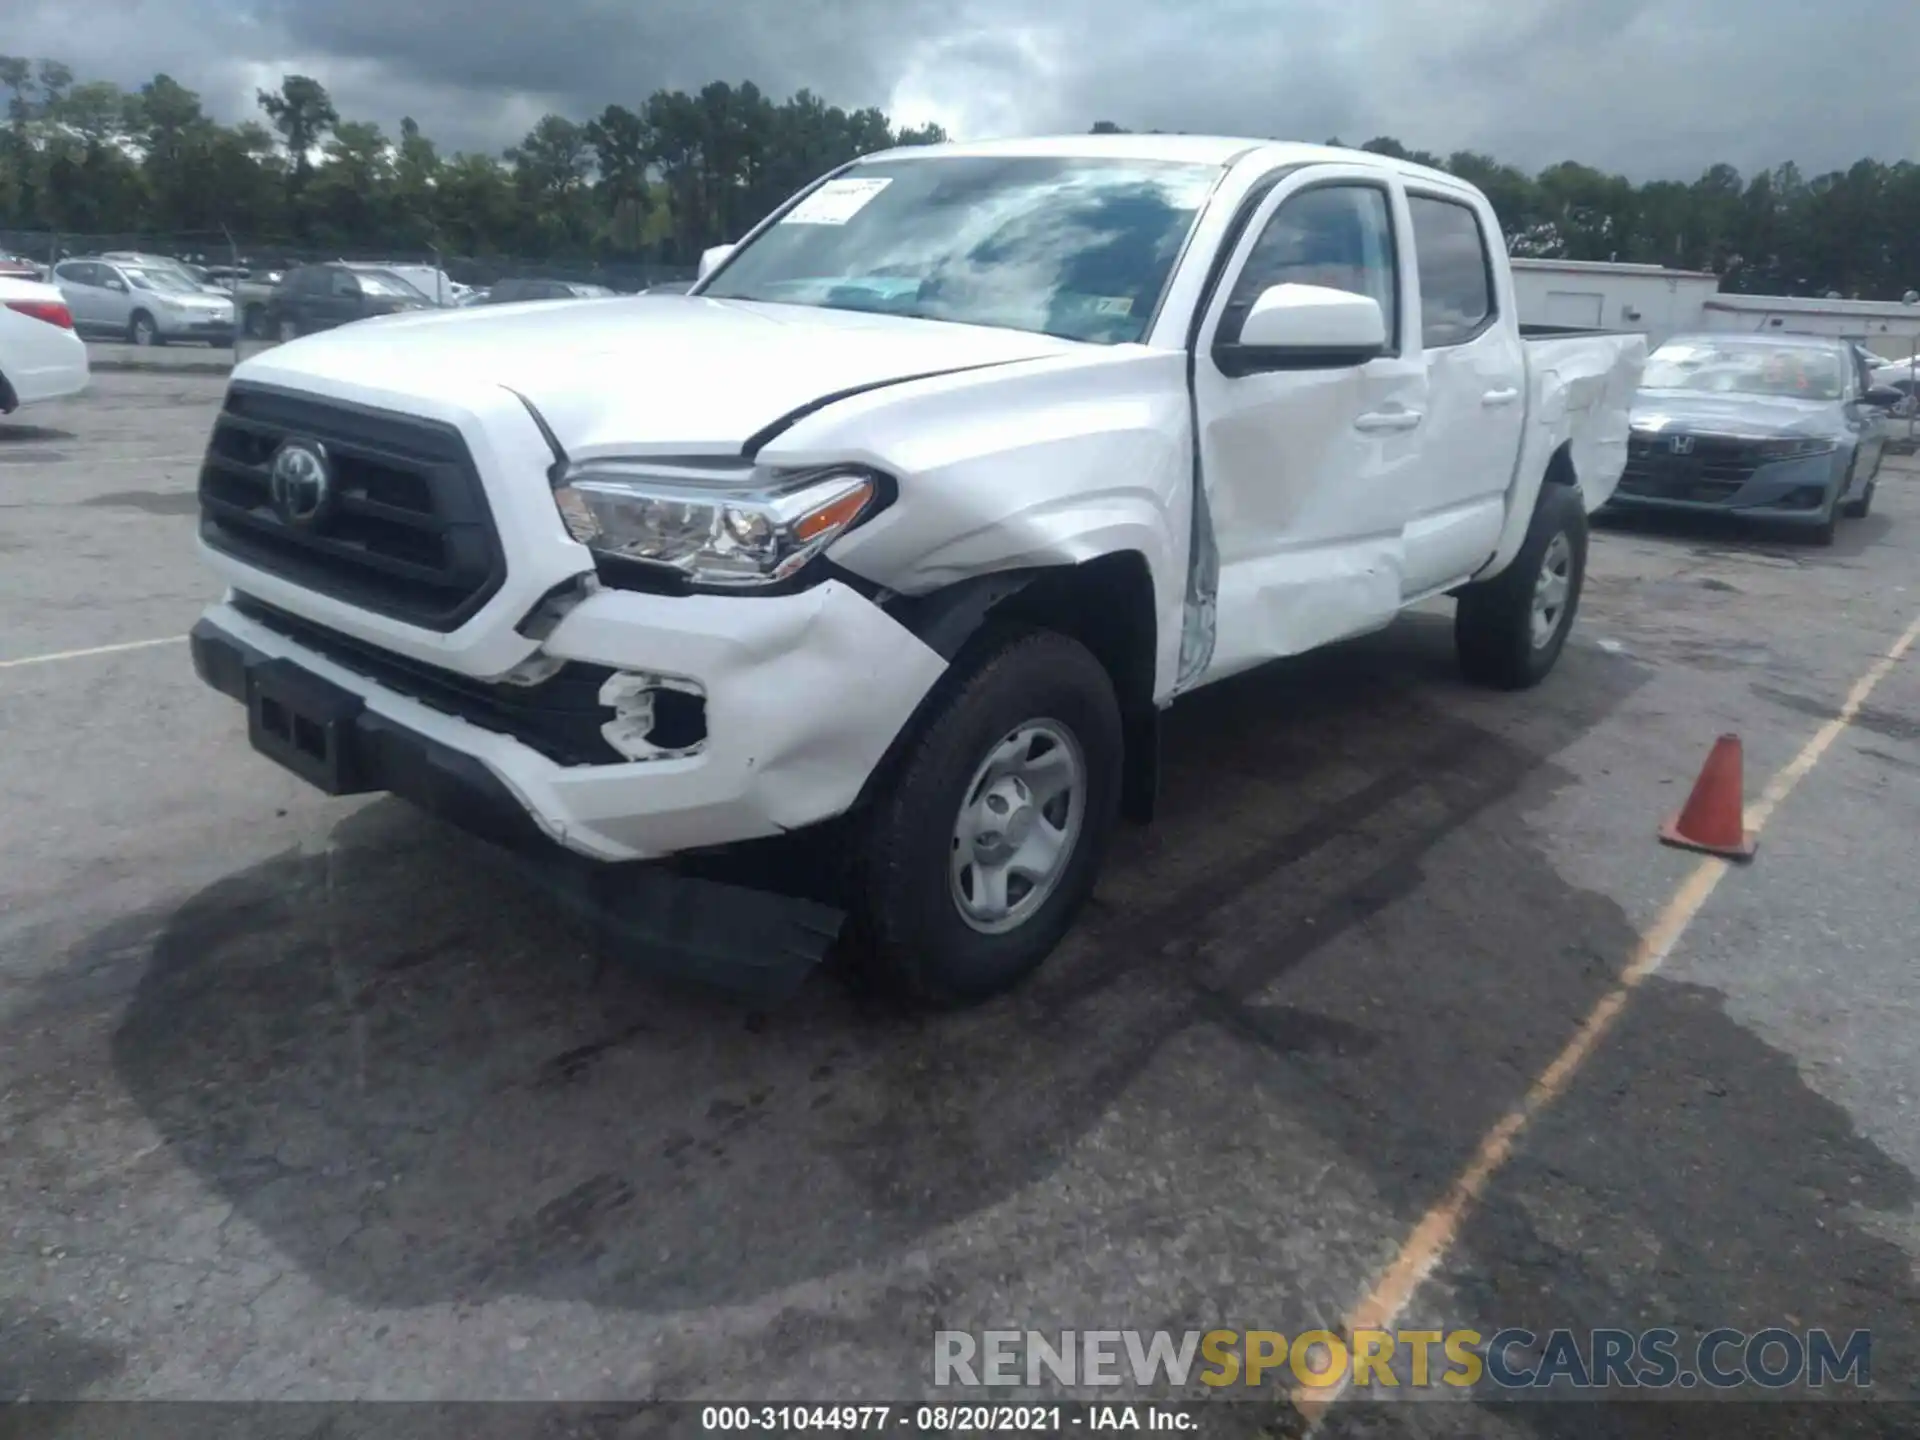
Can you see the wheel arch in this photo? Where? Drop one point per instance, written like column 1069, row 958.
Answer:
column 1106, row 603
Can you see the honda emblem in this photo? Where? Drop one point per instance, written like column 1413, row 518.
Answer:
column 1680, row 444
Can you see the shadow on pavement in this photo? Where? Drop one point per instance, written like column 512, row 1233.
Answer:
column 408, row 1073
column 1732, row 533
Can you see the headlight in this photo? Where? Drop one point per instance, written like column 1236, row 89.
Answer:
column 740, row 531
column 1796, row 447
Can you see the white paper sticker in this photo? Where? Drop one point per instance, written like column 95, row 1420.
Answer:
column 835, row 202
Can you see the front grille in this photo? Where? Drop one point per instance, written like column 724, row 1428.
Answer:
column 560, row 717
column 1714, row 470
column 406, row 533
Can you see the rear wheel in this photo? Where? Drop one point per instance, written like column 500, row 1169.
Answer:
column 989, row 836
column 1510, row 630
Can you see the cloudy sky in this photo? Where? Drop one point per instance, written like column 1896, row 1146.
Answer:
column 1647, row 88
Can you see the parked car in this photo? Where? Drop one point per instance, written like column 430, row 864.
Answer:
column 320, row 297
column 193, row 274
column 994, row 452
column 1903, row 378
column 147, row 306
column 18, row 267
column 251, row 294
column 41, row 358
column 508, row 292
column 669, row 287
column 439, row 288
column 1787, row 428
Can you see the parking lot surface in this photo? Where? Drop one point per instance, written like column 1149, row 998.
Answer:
column 312, row 1099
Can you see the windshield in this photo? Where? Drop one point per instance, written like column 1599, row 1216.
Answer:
column 385, row 282
column 1733, row 367
column 165, row 282
column 1079, row 248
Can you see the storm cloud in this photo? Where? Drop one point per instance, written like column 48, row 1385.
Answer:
column 1648, row 89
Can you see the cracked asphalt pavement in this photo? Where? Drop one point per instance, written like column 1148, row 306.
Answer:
column 312, row 1099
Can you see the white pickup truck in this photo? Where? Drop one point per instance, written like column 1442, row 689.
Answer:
column 901, row 528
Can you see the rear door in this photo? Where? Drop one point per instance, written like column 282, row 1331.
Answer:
column 78, row 286
column 1476, row 379
column 1308, row 474
column 342, row 299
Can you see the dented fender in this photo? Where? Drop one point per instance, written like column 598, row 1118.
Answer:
column 1020, row 468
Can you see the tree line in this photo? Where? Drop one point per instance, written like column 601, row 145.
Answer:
column 661, row 180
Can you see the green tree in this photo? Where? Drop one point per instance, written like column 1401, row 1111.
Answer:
column 303, row 113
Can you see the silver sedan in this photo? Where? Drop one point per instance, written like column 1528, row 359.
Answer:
column 1786, row 428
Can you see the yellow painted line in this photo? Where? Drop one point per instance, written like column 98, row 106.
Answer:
column 1427, row 1245
column 91, row 650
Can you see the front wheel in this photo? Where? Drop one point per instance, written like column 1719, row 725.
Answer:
column 1510, row 630
column 141, row 330
column 989, row 835
column 289, row 329
column 1858, row 509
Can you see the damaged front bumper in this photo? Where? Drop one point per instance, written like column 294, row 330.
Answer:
column 801, row 696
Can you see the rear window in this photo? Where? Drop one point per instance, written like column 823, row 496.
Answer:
column 1456, row 271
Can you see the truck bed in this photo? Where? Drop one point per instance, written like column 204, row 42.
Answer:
column 1583, row 387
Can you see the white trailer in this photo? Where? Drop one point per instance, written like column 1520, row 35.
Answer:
column 1601, row 295
column 1886, row 327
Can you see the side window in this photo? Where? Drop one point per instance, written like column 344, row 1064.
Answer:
column 1340, row 236
column 307, row 282
column 1456, row 272
column 344, row 283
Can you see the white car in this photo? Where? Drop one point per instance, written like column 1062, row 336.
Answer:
column 146, row 306
column 41, row 358
column 901, row 529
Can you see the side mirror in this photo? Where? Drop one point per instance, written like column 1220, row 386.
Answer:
column 116, row 283
column 711, row 260
column 1305, row 327
column 1883, row 397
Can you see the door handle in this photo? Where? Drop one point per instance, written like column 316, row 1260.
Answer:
column 1387, row 421
column 1500, row 397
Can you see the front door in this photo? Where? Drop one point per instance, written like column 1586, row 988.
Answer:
column 1309, row 474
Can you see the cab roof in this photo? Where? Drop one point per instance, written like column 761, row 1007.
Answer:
column 1221, row 150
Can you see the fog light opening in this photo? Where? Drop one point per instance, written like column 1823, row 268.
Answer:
column 655, row 717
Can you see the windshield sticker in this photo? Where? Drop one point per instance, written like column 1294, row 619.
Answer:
column 1113, row 304
column 835, row 203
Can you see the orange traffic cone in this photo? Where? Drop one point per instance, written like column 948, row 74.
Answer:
column 1712, row 819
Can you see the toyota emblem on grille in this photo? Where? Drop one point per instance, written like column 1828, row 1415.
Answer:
column 301, row 481
column 1681, row 444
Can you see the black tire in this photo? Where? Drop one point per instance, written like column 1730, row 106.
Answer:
column 1822, row 530
column 1493, row 622
column 287, row 328
column 141, row 330
column 910, row 930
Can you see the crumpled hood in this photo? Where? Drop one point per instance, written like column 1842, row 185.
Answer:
column 1694, row 413
column 658, row 374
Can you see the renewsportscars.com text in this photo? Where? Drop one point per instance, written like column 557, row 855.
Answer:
column 1508, row 1359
